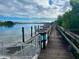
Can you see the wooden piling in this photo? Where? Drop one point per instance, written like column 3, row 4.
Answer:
column 31, row 31
column 38, row 28
column 35, row 29
column 23, row 34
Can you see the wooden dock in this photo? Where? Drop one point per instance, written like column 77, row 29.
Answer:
column 59, row 46
column 56, row 48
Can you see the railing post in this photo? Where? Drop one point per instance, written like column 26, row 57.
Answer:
column 23, row 34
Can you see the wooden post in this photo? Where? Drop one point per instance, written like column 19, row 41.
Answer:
column 31, row 31
column 38, row 28
column 23, row 34
column 35, row 29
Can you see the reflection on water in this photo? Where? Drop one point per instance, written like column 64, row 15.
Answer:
column 14, row 34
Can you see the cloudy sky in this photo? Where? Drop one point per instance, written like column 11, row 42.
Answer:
column 33, row 8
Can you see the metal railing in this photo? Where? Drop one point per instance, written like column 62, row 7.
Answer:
column 72, row 42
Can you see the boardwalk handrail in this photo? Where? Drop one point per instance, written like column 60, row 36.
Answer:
column 31, row 39
column 63, row 33
column 75, row 36
column 73, row 39
column 27, row 43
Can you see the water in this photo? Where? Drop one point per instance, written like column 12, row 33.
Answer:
column 14, row 34
column 9, row 38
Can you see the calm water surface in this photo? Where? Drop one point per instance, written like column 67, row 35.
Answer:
column 14, row 34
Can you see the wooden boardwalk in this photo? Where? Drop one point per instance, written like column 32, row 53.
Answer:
column 56, row 48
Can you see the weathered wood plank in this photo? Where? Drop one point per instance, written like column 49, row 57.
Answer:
column 56, row 48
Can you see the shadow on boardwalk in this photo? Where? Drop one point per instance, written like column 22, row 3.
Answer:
column 56, row 48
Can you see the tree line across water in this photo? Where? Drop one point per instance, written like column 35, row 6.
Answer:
column 7, row 23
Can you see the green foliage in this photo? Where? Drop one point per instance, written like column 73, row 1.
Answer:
column 64, row 20
column 70, row 20
column 75, row 1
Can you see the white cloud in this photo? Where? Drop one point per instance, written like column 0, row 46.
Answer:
column 44, row 3
column 33, row 8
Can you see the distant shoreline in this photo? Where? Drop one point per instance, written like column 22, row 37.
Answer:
column 11, row 23
column 7, row 23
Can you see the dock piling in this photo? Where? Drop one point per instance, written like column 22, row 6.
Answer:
column 35, row 29
column 23, row 34
column 38, row 28
column 31, row 31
